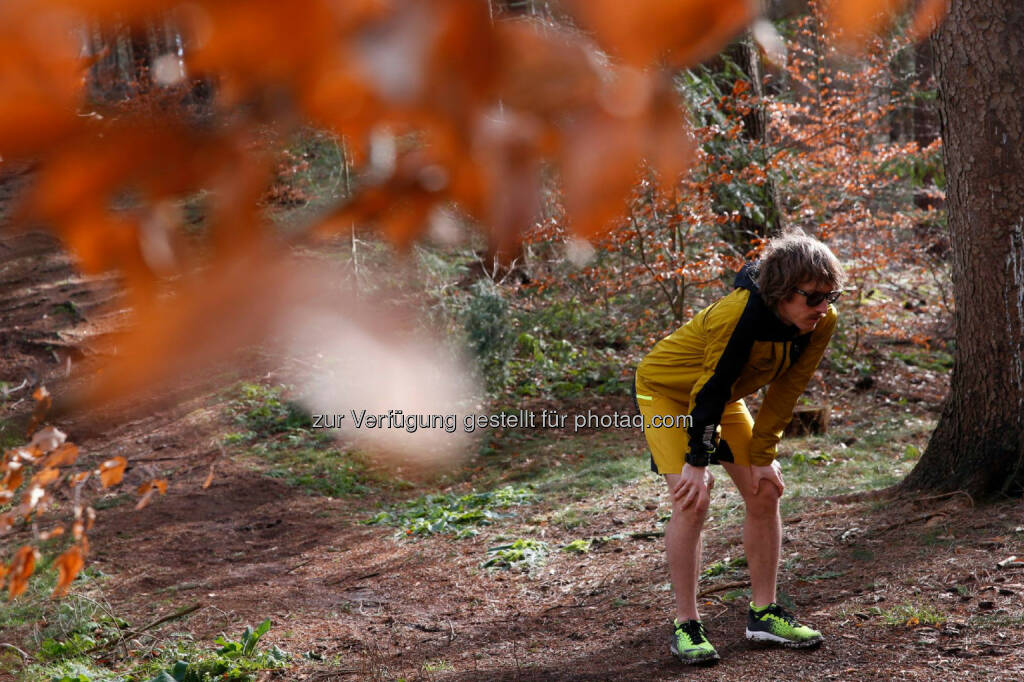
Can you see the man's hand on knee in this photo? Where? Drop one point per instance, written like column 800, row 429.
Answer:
column 770, row 474
column 693, row 487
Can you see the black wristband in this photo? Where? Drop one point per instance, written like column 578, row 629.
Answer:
column 698, row 460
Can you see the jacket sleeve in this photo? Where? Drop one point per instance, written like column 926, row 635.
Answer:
column 729, row 338
column 777, row 409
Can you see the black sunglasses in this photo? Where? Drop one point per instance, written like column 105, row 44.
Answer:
column 815, row 298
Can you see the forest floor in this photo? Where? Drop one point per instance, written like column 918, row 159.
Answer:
column 902, row 586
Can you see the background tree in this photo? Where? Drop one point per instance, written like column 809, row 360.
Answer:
column 978, row 445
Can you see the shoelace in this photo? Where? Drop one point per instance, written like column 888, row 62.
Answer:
column 781, row 613
column 694, row 630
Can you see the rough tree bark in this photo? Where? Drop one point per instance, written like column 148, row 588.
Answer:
column 978, row 445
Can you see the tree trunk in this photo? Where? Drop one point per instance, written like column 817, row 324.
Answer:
column 978, row 445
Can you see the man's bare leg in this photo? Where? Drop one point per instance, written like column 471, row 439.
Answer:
column 762, row 532
column 683, row 549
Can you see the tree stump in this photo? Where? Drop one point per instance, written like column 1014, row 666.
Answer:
column 808, row 420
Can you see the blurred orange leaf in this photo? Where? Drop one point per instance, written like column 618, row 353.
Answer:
column 68, row 566
column 43, row 403
column 49, row 438
column 52, row 533
column 45, row 477
column 12, row 479
column 927, row 18
column 65, row 455
column 148, row 489
column 111, row 471
column 40, row 77
column 687, row 31
column 858, row 20
column 209, row 478
column 19, row 570
column 156, row 484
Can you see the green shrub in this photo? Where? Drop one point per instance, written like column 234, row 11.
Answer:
column 264, row 412
column 521, row 555
column 488, row 330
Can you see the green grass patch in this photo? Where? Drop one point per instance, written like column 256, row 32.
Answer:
column 236, row 660
column 284, row 446
column 996, row 620
column 724, row 566
column 603, row 464
column 319, row 469
column 935, row 359
column 458, row 515
column 581, row 546
column 879, row 455
column 910, row 615
column 10, row 435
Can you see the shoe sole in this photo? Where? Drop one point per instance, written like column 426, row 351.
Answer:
column 763, row 637
column 706, row 659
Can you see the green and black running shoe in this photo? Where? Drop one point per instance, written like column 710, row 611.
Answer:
column 690, row 643
column 773, row 625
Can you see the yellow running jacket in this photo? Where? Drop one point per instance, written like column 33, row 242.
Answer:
column 727, row 351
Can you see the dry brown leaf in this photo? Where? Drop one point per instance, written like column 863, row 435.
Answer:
column 20, row 569
column 77, row 529
column 79, row 478
column 68, row 566
column 111, row 471
column 90, row 517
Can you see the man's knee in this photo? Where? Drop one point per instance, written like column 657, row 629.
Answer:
column 693, row 515
column 765, row 502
